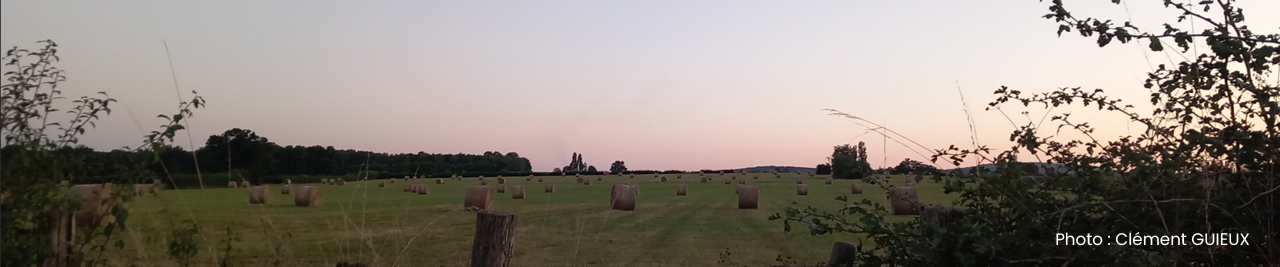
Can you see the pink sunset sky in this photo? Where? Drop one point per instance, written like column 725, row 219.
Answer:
column 659, row 84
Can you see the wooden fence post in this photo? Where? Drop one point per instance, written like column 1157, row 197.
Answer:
column 842, row 254
column 495, row 236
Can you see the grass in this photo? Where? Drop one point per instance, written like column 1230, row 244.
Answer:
column 360, row 222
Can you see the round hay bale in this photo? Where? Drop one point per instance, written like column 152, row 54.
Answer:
column 539, row 179
column 587, row 182
column 677, row 176
column 333, row 181
column 155, row 188
column 341, row 182
column 530, row 178
column 704, row 180
column 757, row 177
column 799, row 181
column 307, row 196
column 623, row 197
column 856, row 189
column 392, row 180
column 904, row 200
column 260, row 194
column 517, row 192
column 423, row 189
column 288, row 181
column 549, row 188
column 141, row 189
column 96, row 201
column 828, row 181
column 233, row 184
column 408, row 186
column 324, row 180
column 501, row 180
column 664, row 179
column 478, row 198
column 742, row 181
column 749, row 197
column 502, row 188
column 284, row 190
column 382, row 184
column 599, row 179
column 483, row 182
column 439, row 181
column 632, row 175
column 802, row 189
column 727, row 182
column 579, row 180
column 682, row 190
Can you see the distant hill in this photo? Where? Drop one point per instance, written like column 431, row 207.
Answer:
column 777, row 168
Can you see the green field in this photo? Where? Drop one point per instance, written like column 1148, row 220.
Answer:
column 384, row 226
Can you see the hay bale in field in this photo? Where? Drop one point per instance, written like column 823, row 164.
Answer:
column 307, row 196
column 579, row 180
column 539, row 179
column 483, row 182
column 382, row 184
column 599, row 179
column 682, row 190
column 392, row 180
column 439, row 181
column 904, row 200
column 141, row 189
column 96, row 201
column 284, row 190
column 502, row 188
column 260, row 194
column 155, row 188
column 341, row 182
column 287, row 181
column 757, row 177
column 802, row 189
column 333, row 181
column 422, row 189
column 502, row 180
column 233, row 184
column 623, row 197
column 664, row 179
column 677, row 176
column 749, row 197
column 324, row 180
column 408, row 186
column 517, row 192
column 549, row 188
column 586, row 182
column 742, row 181
column 856, row 189
column 828, row 181
column 632, row 175
column 704, row 180
column 799, row 181
column 727, row 182
column 939, row 215
column 478, row 198
column 530, row 178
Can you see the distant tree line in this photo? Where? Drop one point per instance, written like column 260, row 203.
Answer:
column 249, row 155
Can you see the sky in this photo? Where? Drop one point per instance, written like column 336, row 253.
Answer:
column 658, row 84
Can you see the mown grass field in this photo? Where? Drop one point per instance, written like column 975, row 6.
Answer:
column 385, row 226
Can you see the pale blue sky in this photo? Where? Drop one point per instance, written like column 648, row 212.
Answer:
column 659, row 84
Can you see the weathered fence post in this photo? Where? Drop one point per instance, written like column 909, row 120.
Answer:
column 842, row 254
column 495, row 236
column 62, row 230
